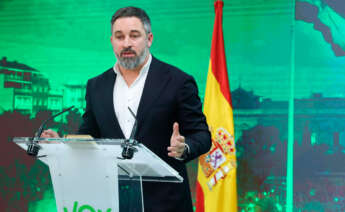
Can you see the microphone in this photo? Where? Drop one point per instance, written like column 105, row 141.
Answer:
column 128, row 145
column 33, row 146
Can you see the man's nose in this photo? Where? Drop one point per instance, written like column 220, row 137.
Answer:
column 127, row 42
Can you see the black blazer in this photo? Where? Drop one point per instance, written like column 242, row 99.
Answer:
column 169, row 96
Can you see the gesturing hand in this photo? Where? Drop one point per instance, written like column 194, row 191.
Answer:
column 177, row 144
column 49, row 134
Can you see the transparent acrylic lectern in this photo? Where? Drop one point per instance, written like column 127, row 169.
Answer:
column 88, row 174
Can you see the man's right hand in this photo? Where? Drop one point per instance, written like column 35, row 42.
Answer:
column 49, row 134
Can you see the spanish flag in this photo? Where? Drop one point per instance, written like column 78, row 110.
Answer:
column 216, row 185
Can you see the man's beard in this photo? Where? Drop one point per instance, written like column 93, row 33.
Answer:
column 132, row 62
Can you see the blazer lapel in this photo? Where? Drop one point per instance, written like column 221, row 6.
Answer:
column 156, row 80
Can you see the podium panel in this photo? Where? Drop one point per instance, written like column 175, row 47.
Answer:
column 89, row 174
column 130, row 194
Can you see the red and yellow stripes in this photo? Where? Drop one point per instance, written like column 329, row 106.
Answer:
column 216, row 184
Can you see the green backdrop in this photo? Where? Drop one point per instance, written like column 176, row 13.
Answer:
column 278, row 52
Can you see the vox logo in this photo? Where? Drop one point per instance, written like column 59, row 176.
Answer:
column 84, row 208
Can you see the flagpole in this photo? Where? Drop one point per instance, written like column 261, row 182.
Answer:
column 290, row 146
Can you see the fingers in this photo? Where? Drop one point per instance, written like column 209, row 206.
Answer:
column 176, row 131
column 177, row 145
column 176, row 136
column 176, row 151
column 49, row 134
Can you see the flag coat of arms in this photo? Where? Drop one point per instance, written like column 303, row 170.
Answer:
column 216, row 184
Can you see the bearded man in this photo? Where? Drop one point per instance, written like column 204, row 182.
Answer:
column 165, row 100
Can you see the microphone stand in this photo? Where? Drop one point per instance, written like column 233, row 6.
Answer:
column 33, row 146
column 128, row 147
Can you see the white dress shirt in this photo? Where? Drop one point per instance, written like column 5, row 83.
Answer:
column 125, row 97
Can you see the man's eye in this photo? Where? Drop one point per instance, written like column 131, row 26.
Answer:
column 119, row 37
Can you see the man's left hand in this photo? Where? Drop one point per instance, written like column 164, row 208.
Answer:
column 177, row 144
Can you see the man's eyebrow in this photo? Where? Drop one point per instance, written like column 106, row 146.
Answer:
column 132, row 31
column 135, row 31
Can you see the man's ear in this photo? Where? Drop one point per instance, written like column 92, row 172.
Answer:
column 149, row 39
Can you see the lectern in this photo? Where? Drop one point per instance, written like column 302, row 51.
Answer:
column 90, row 174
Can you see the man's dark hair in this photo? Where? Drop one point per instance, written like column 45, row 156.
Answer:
column 133, row 12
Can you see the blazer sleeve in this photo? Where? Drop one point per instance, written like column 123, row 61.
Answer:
column 89, row 124
column 191, row 120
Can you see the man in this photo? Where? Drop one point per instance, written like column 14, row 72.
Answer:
column 164, row 99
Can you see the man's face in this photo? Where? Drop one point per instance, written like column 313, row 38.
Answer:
column 130, row 42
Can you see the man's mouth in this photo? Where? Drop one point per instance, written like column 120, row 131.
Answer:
column 128, row 54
